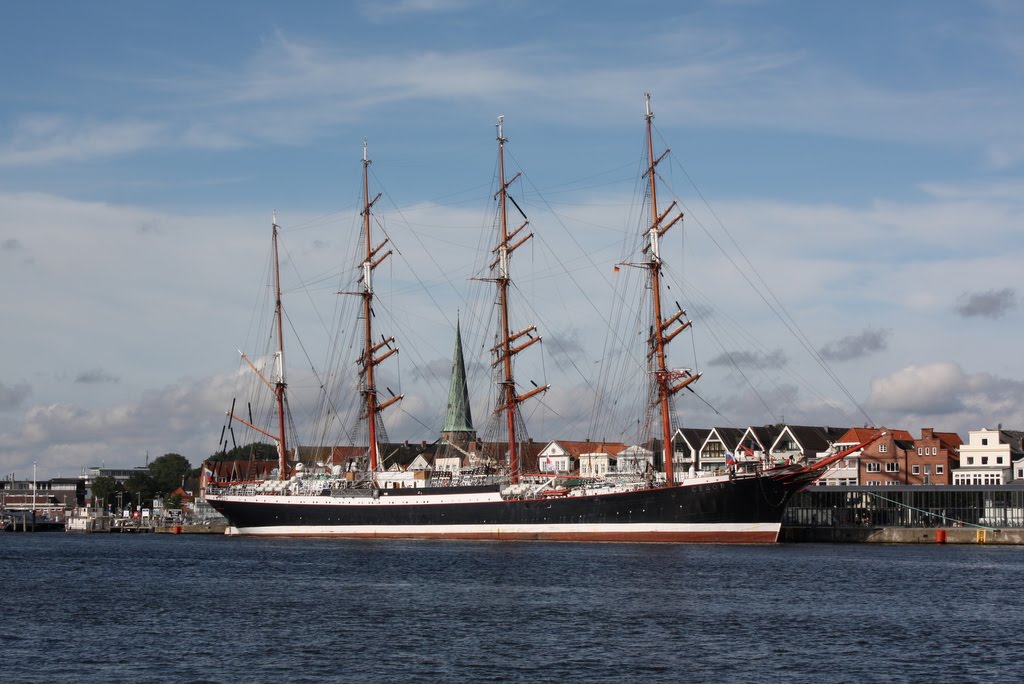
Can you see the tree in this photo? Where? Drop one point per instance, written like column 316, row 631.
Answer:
column 141, row 487
column 168, row 471
column 257, row 451
column 102, row 488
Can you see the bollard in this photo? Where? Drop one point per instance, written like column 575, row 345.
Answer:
column 940, row 536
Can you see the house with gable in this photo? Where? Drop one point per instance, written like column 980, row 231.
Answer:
column 554, row 458
column 720, row 442
column 686, row 446
column 990, row 457
column 567, row 456
column 757, row 440
column 937, row 454
column 634, row 460
column 847, row 471
column 804, row 443
column 597, row 459
column 883, row 462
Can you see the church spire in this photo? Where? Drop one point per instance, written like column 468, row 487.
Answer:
column 458, row 421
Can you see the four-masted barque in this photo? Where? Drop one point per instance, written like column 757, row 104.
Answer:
column 744, row 504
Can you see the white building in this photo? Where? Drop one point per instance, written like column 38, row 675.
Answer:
column 635, row 460
column 597, row 464
column 989, row 457
column 554, row 458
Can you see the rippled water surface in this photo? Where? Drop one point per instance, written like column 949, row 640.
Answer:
column 163, row 608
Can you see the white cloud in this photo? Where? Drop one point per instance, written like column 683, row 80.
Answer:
column 46, row 139
column 193, row 278
column 183, row 418
column 943, row 395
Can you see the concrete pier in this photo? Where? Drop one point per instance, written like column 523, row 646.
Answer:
column 901, row 535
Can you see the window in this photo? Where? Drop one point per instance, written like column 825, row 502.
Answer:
column 916, row 469
column 919, row 450
column 984, row 460
column 970, row 460
column 874, row 467
column 938, row 469
column 892, row 467
column 935, row 451
column 882, row 448
column 999, row 460
column 874, row 483
column 984, row 441
column 928, row 469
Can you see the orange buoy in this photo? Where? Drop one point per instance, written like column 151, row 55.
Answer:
column 940, row 536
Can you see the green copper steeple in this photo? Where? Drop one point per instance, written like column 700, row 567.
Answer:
column 458, row 421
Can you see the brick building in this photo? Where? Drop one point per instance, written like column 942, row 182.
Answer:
column 886, row 461
column 936, row 455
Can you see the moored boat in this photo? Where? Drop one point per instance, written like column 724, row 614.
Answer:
column 745, row 503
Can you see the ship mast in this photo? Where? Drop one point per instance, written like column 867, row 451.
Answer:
column 509, row 401
column 278, row 386
column 279, row 383
column 368, row 360
column 667, row 381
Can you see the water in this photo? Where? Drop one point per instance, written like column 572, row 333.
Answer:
column 122, row 608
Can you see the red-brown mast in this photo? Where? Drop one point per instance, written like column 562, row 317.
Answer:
column 665, row 379
column 509, row 401
column 368, row 360
column 279, row 384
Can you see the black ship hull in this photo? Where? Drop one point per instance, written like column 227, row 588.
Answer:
column 742, row 509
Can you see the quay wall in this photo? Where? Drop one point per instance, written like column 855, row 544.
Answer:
column 196, row 528
column 900, row 535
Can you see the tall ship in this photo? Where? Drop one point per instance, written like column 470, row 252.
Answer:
column 502, row 499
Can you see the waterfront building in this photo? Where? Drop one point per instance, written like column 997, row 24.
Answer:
column 598, row 465
column 686, row 446
column 595, row 459
column 634, row 460
column 935, row 457
column 909, row 506
column 757, row 440
column 555, row 458
column 884, row 462
column 120, row 475
column 718, row 447
column 805, row 443
column 56, row 494
column 989, row 456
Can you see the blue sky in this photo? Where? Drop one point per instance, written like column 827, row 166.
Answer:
column 867, row 159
